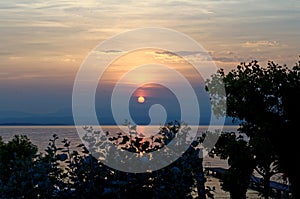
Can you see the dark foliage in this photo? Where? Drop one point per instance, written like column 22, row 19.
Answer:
column 62, row 173
column 266, row 99
column 241, row 161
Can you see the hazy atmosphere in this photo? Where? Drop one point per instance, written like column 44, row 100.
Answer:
column 43, row 43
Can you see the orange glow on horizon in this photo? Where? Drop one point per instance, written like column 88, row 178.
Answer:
column 135, row 59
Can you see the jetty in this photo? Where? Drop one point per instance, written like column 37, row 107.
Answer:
column 278, row 190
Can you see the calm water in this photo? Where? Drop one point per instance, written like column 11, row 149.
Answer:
column 40, row 135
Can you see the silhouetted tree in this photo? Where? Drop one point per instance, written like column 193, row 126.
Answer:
column 17, row 168
column 266, row 160
column 241, row 161
column 267, row 100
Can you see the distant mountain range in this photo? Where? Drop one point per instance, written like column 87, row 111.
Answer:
column 64, row 117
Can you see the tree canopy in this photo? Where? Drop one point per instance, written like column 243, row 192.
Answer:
column 266, row 100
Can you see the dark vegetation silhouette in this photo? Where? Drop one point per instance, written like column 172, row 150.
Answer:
column 244, row 157
column 240, row 160
column 266, row 100
column 62, row 173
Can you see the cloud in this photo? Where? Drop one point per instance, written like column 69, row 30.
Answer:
column 165, row 56
column 262, row 43
column 225, row 59
column 113, row 51
column 166, row 53
column 175, row 57
column 189, row 53
column 230, row 57
column 109, row 52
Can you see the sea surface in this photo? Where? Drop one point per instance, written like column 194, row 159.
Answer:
column 40, row 135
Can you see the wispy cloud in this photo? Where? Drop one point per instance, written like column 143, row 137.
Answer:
column 108, row 52
column 263, row 43
column 165, row 56
column 225, row 59
column 178, row 57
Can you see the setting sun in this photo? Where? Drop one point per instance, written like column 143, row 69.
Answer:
column 141, row 99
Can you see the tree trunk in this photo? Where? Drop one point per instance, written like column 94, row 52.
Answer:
column 199, row 174
column 266, row 190
column 294, row 187
column 238, row 194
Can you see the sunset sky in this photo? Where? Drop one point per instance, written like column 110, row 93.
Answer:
column 43, row 43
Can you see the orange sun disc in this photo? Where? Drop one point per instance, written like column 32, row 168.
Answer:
column 141, row 99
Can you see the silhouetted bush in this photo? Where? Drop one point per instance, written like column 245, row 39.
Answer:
column 62, row 173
